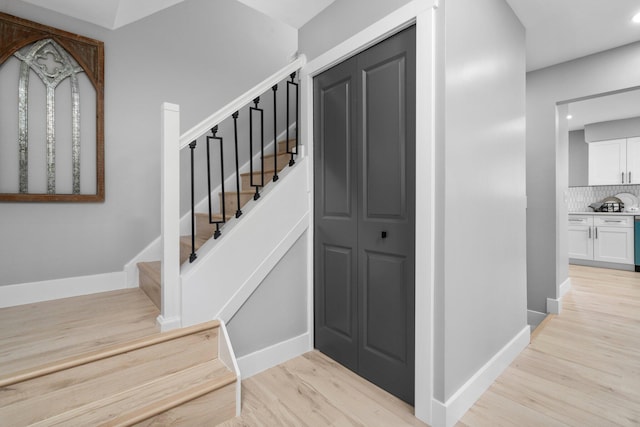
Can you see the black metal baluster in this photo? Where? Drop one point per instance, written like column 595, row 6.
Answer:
column 297, row 111
column 235, row 129
column 275, row 133
column 292, row 83
column 256, row 196
column 193, row 255
column 214, row 132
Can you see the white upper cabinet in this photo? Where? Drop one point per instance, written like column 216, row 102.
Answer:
column 614, row 162
column 633, row 160
column 608, row 162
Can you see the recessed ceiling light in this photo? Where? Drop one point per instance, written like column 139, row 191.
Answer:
column 636, row 18
column 569, row 117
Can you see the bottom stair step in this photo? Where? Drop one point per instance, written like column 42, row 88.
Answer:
column 125, row 384
column 147, row 400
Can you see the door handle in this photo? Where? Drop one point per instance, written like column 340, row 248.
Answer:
column 596, row 232
column 383, row 234
column 589, row 232
column 623, row 177
column 629, row 178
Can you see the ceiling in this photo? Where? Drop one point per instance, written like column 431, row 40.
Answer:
column 113, row 14
column 561, row 30
column 557, row 30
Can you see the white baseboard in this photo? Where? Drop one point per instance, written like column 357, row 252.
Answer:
column 29, row 293
column 554, row 306
column 169, row 323
column 269, row 357
column 565, row 287
column 534, row 318
column 449, row 413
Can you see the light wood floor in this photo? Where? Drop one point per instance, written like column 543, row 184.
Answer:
column 33, row 334
column 582, row 367
column 313, row 390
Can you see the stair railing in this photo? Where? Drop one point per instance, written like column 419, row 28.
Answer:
column 173, row 143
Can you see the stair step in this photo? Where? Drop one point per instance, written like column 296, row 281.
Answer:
column 119, row 385
column 150, row 281
column 282, row 145
column 231, row 202
column 185, row 245
column 147, row 400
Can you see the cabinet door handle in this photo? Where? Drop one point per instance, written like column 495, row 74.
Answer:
column 629, row 177
column 589, row 232
column 617, row 221
column 596, row 232
column 622, row 177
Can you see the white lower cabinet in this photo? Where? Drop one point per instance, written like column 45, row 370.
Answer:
column 601, row 238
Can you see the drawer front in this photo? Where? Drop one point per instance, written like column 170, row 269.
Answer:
column 613, row 221
column 580, row 219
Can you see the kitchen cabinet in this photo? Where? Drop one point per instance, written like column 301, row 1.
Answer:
column 602, row 238
column 580, row 237
column 614, row 162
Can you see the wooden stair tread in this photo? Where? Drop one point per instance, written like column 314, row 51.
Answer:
column 68, row 385
column 146, row 400
column 102, row 353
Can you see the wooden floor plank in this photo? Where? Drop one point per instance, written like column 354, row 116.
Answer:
column 582, row 368
column 35, row 334
column 313, row 390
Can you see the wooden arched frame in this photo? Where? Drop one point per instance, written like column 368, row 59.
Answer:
column 15, row 34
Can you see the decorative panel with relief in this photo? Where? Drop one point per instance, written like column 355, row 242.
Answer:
column 51, row 114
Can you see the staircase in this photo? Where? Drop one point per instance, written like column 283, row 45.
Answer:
column 150, row 272
column 153, row 380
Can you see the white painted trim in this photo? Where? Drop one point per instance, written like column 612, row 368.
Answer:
column 29, row 293
column 244, row 99
column 167, row 324
column 425, row 218
column 170, row 213
column 228, row 357
column 397, row 20
column 534, row 318
column 554, row 306
column 565, row 287
column 243, row 293
column 306, row 118
column 261, row 360
column 422, row 13
column 449, row 413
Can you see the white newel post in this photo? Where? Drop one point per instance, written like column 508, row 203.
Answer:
column 170, row 316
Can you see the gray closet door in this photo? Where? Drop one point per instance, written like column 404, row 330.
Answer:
column 364, row 133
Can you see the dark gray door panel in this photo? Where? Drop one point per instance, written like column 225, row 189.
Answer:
column 364, row 133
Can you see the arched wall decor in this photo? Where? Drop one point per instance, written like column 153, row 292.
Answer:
column 51, row 58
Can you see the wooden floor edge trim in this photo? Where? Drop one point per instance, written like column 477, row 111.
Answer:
column 109, row 351
column 133, row 417
column 541, row 326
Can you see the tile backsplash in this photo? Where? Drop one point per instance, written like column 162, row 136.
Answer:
column 579, row 198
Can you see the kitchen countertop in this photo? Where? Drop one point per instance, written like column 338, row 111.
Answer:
column 606, row 213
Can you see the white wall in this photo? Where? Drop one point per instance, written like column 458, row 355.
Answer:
column 199, row 54
column 341, row 20
column 578, row 159
column 481, row 286
column 599, row 73
column 277, row 310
